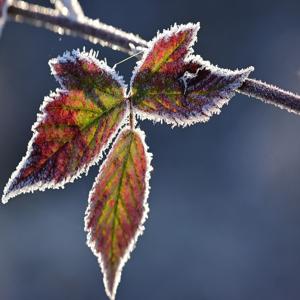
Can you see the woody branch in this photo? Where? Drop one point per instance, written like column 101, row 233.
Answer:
column 117, row 39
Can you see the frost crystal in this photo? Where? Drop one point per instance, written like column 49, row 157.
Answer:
column 78, row 122
column 171, row 85
column 118, row 205
column 75, row 127
column 69, row 8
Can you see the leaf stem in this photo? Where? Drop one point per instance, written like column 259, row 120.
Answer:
column 131, row 115
column 109, row 36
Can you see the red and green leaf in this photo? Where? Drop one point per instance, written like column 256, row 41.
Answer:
column 118, row 205
column 3, row 13
column 78, row 122
column 82, row 71
column 75, row 125
column 171, row 85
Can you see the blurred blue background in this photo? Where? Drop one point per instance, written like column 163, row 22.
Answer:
column 224, row 218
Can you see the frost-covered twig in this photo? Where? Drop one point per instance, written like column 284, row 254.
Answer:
column 69, row 8
column 271, row 94
column 109, row 36
column 92, row 30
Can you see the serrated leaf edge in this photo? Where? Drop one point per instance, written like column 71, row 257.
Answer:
column 140, row 230
column 165, row 34
column 91, row 56
column 209, row 108
column 52, row 184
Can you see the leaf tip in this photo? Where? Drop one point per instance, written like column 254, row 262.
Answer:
column 9, row 192
column 190, row 28
column 4, row 198
column 248, row 71
column 113, row 241
column 193, row 27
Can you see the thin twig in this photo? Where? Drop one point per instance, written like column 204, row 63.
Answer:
column 106, row 35
column 92, row 30
column 69, row 8
column 271, row 94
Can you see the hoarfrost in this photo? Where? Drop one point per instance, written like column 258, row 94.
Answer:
column 111, row 291
column 69, row 8
column 183, row 89
column 19, row 183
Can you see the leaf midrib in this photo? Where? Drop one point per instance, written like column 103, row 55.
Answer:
column 75, row 135
column 115, row 212
column 167, row 58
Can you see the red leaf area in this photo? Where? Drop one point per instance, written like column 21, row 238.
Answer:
column 79, row 74
column 170, row 85
column 117, row 205
column 169, row 51
column 75, row 126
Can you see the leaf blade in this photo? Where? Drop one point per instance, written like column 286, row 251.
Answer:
column 167, row 51
column 117, row 205
column 70, row 135
column 184, row 89
column 83, row 71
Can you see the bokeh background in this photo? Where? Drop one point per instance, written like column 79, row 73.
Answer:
column 224, row 218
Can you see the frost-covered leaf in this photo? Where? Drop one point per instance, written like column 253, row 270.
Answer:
column 83, row 71
column 3, row 13
column 117, row 205
column 75, row 125
column 69, row 8
column 170, row 84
